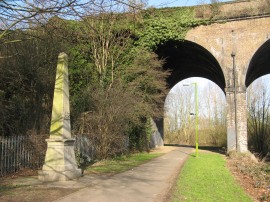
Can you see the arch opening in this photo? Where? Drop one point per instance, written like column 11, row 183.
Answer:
column 259, row 64
column 180, row 113
column 187, row 59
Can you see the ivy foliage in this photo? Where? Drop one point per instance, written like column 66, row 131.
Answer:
column 158, row 31
column 161, row 25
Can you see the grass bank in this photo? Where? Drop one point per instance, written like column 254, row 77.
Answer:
column 206, row 178
column 121, row 164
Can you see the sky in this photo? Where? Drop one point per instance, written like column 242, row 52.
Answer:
column 172, row 3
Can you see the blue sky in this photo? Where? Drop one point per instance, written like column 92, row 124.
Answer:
column 172, row 3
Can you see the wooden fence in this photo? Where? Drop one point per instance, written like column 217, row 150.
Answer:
column 19, row 152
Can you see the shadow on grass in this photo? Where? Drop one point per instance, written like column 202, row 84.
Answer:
column 8, row 187
column 219, row 150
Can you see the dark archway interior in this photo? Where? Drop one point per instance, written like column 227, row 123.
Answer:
column 259, row 64
column 187, row 59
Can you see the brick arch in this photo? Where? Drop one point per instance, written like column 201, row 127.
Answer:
column 259, row 64
column 188, row 59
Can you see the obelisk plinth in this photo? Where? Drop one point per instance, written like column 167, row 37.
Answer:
column 60, row 163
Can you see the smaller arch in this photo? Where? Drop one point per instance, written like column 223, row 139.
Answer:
column 259, row 64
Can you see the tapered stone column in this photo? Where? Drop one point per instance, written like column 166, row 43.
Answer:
column 60, row 163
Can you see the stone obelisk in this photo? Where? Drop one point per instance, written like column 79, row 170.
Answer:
column 60, row 163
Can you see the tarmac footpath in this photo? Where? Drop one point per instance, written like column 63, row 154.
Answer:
column 149, row 182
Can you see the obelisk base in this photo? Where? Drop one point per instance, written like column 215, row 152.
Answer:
column 60, row 163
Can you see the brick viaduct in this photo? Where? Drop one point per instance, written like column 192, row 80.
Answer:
column 232, row 54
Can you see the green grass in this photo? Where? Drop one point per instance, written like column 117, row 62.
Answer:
column 206, row 178
column 121, row 164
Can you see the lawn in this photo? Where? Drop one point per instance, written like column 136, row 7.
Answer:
column 121, row 164
column 206, row 178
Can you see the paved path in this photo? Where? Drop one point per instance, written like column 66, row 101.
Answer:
column 149, row 182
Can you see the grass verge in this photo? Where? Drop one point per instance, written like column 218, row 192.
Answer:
column 206, row 178
column 121, row 164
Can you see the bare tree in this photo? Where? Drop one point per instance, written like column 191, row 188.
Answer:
column 180, row 121
column 258, row 120
column 179, row 105
column 22, row 14
column 108, row 44
column 214, row 115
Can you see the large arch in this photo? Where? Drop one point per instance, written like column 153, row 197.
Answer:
column 259, row 64
column 186, row 59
